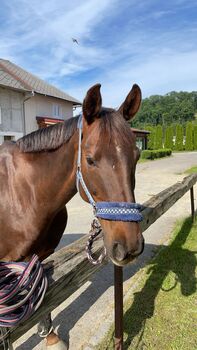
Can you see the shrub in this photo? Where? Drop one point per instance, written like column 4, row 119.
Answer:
column 153, row 154
column 189, row 145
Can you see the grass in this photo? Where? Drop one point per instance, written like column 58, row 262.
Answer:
column 192, row 170
column 162, row 313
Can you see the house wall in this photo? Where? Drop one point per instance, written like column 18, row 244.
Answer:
column 40, row 105
column 11, row 113
column 12, row 122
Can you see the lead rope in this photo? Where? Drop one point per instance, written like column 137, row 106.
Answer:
column 94, row 232
column 22, row 289
column 95, row 226
column 5, row 339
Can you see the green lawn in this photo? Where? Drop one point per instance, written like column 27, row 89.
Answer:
column 162, row 313
column 192, row 170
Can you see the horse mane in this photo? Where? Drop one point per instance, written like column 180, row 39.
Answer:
column 49, row 138
column 111, row 126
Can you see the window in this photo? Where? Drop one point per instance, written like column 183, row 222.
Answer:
column 57, row 110
column 9, row 138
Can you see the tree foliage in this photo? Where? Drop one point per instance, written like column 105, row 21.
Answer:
column 174, row 107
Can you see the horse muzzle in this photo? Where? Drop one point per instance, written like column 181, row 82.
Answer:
column 122, row 253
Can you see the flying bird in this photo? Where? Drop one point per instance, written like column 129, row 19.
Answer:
column 75, row 41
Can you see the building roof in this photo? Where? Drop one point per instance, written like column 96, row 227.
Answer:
column 138, row 131
column 15, row 77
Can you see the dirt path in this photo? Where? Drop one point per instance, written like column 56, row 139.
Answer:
column 87, row 314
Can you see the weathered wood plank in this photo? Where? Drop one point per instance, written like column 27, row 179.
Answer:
column 160, row 203
column 69, row 268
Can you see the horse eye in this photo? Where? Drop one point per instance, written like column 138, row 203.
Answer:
column 90, row 161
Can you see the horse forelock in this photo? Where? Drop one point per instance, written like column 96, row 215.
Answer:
column 49, row 138
column 113, row 127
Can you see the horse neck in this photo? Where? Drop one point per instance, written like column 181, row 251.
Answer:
column 59, row 170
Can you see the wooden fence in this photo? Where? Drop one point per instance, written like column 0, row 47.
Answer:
column 69, row 268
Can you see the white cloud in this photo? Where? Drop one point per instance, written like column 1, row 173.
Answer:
column 158, row 74
column 49, row 27
column 38, row 35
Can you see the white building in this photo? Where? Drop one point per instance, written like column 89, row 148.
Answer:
column 27, row 102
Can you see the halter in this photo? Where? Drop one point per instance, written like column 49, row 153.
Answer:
column 114, row 211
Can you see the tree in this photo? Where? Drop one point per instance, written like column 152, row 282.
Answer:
column 158, row 137
column 178, row 107
column 189, row 145
column 179, row 138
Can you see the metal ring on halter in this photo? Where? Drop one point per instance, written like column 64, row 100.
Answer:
column 94, row 232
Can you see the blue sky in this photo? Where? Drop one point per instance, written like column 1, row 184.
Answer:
column 152, row 43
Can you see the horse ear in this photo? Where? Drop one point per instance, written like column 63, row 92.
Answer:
column 132, row 103
column 92, row 103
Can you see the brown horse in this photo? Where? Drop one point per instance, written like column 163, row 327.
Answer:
column 38, row 177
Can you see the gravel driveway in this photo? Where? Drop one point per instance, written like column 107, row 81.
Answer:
column 87, row 314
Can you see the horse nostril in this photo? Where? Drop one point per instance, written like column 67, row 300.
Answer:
column 119, row 251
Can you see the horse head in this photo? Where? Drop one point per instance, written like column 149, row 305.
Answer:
column 108, row 162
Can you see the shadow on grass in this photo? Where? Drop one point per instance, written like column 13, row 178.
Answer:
column 172, row 258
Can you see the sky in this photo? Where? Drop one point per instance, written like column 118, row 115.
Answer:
column 121, row 42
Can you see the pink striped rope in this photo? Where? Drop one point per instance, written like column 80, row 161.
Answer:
column 22, row 289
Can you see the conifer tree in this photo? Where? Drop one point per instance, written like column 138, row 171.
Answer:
column 171, row 137
column 151, row 137
column 189, row 145
column 195, row 136
column 168, row 142
column 179, row 138
column 158, row 137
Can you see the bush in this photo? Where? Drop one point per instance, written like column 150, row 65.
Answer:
column 153, row 154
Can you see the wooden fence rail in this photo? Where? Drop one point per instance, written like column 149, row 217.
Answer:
column 68, row 268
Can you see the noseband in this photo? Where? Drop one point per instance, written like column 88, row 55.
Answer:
column 114, row 211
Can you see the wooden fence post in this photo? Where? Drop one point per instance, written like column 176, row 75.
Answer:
column 192, row 203
column 118, row 299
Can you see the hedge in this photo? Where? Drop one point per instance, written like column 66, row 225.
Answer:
column 153, row 154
